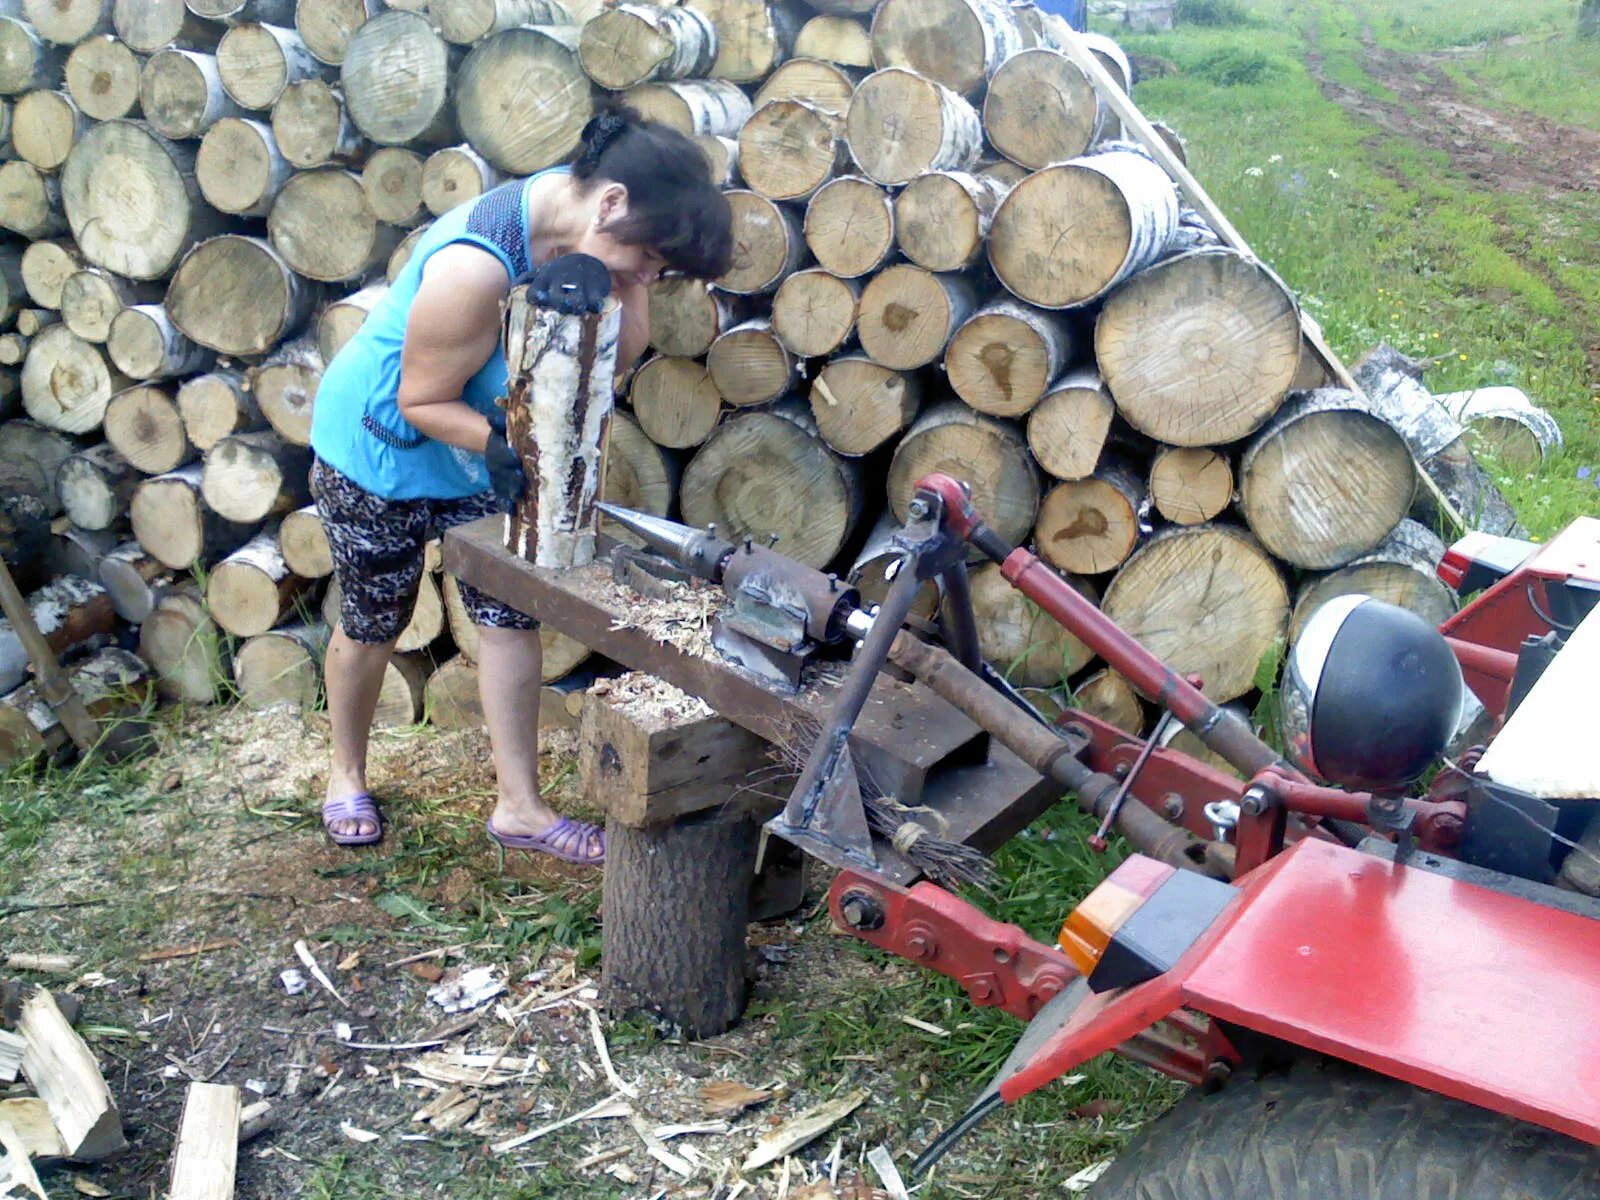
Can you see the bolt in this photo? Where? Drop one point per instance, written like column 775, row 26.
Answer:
column 772, row 540
column 1255, row 803
column 861, row 910
column 980, row 989
column 1121, row 770
column 711, row 529
column 919, row 946
column 749, row 545
column 1172, row 806
column 918, row 510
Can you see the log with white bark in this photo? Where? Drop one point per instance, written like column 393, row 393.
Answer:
column 181, row 94
column 877, row 564
column 45, row 125
column 835, row 39
column 697, row 107
column 312, row 127
column 75, row 551
column 1006, row 355
column 1190, row 485
column 814, row 81
column 67, row 383
column 326, row 26
column 111, row 683
column 750, row 366
column 753, row 36
column 325, row 229
column 64, row 1073
column 145, row 344
column 252, row 476
column 768, row 472
column 454, row 176
column 814, row 312
column 562, row 655
column 1505, row 425
column 304, row 544
column 1070, row 233
column 102, row 77
column 92, row 298
column 400, row 695
column 27, row 60
column 1018, row 639
column 67, row 22
column 942, row 219
column 859, row 405
column 768, row 245
column 148, row 26
column 467, row 21
column 790, row 148
column 559, row 400
column 402, row 253
column 183, row 646
column 901, row 124
column 451, row 700
column 687, row 315
column 396, row 78
column 1325, row 480
column 30, row 321
column 675, row 401
column 131, row 200
column 216, row 405
column 1109, row 696
column 13, row 351
column 640, row 43
column 144, row 424
column 96, row 486
column 70, row 611
column 1401, row 570
column 639, row 474
column 722, row 156
column 235, row 12
column 516, row 135
column 172, row 521
column 1207, row 600
column 135, row 580
column 284, row 386
column 258, row 61
column 958, row 43
column 1438, row 442
column 909, row 315
column 30, row 456
column 283, row 667
column 1090, row 526
column 1200, row 349
column 1117, row 64
column 252, row 590
column 240, row 168
column 849, row 226
column 986, row 453
column 46, row 267
column 338, row 323
column 30, row 201
column 391, row 180
column 1041, row 109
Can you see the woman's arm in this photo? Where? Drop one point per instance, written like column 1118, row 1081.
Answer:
column 452, row 331
column 635, row 336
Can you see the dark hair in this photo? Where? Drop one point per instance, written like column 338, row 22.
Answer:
column 673, row 207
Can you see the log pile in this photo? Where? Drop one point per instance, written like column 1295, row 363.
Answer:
column 946, row 259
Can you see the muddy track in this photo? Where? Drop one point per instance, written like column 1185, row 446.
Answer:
column 1509, row 150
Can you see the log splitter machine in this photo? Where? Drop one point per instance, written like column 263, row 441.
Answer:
column 1378, row 989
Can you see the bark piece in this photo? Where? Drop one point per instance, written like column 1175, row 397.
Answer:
column 909, row 315
column 901, row 124
column 814, row 313
column 1207, row 601
column 1505, row 425
column 184, row 647
column 1041, row 109
column 558, row 409
column 1190, row 485
column 750, row 366
column 62, row 1069
column 849, row 226
column 102, row 78
column 144, row 425
column 764, row 473
column 283, row 667
column 520, row 138
column 942, row 218
column 988, row 454
column 1006, row 355
column 768, row 245
column 240, row 168
column 860, row 405
column 675, row 401
column 252, row 476
column 1225, row 373
column 1070, row 233
column 1018, row 639
column 217, row 405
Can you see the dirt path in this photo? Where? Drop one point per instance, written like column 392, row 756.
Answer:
column 1507, row 149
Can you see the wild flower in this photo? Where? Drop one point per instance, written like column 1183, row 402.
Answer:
column 1332, row 174
column 1254, row 172
column 1276, row 158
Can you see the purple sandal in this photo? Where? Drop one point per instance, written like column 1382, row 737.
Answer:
column 559, row 841
column 360, row 807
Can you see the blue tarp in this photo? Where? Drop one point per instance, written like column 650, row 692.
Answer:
column 1075, row 11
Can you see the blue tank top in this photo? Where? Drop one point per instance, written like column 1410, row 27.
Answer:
column 356, row 424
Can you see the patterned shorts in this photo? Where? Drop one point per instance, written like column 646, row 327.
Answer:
column 377, row 549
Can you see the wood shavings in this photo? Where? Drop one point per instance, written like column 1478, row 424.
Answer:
column 645, row 698
column 883, row 1163
column 682, row 620
column 471, row 1070
column 805, row 1128
column 657, row 1149
column 729, row 1097
column 926, row 1026
column 1085, row 1179
column 611, row 1108
column 604, row 1054
column 303, row 953
column 357, row 1134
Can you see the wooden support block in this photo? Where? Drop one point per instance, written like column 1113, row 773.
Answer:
column 652, row 753
column 207, row 1153
column 29, row 1118
column 61, row 1068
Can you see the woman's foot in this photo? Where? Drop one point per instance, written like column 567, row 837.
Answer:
column 353, row 820
column 543, row 830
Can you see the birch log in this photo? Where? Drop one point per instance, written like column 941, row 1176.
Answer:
column 639, row 43
column 942, row 218
column 67, row 383
column 696, row 107
column 181, row 93
column 790, row 148
column 67, row 22
column 879, row 562
column 1401, row 570
column 91, row 299
column 239, row 167
column 1070, row 233
column 252, row 590
column 1505, row 425
column 455, row 176
column 392, row 182
column 639, row 474
column 27, row 61
column 70, row 611
column 252, row 476
column 45, row 125
column 1041, row 109
column 283, row 667
column 30, row 201
column 1090, row 526
column 1190, row 485
column 143, row 343
column 1006, row 355
column 687, row 315
column 814, row 313
column 134, row 580
column 184, row 647
column 675, row 401
column 901, row 124
column 233, row 12
column 284, row 387
column 148, row 26
column 958, row 43
column 1109, row 696
column 305, row 545
column 30, row 456
column 859, row 405
column 835, row 39
column 144, row 424
column 325, row 229
column 909, row 315
column 768, row 245
column 326, row 26
column 753, row 36
column 849, row 226
column 989, row 455
column 338, row 323
column 102, row 78
column 750, row 366
column 812, row 81
column 1018, row 639
column 46, row 267
column 516, row 136
column 313, row 128
column 177, row 527
column 96, row 487
column 217, row 405
column 559, row 399
column 396, row 78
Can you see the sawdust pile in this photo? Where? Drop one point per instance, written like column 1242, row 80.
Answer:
column 680, row 618
column 648, row 700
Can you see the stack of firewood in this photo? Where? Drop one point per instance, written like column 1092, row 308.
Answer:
column 946, row 260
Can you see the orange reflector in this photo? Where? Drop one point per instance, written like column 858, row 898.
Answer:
column 1090, row 927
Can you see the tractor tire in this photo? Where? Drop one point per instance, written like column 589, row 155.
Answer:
column 1326, row 1130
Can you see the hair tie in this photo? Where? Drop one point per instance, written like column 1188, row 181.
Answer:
column 600, row 133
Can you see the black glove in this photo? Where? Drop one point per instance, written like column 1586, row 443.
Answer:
column 573, row 284
column 506, row 476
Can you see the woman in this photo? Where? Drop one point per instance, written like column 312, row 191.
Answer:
column 407, row 443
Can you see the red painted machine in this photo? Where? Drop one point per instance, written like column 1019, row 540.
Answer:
column 1379, row 988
